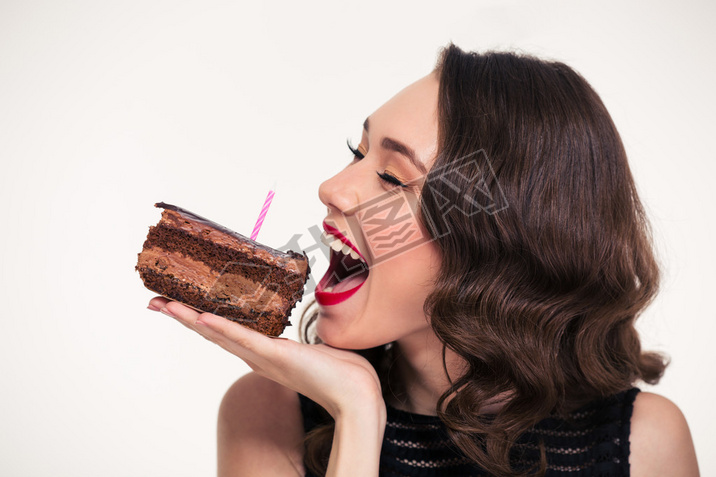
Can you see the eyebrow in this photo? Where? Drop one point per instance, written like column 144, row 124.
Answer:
column 400, row 148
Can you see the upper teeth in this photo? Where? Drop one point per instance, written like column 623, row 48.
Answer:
column 338, row 246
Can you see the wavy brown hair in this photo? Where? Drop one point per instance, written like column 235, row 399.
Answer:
column 547, row 256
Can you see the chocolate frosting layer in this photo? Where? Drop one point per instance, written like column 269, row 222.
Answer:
column 209, row 223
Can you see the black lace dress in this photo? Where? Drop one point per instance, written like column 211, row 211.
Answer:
column 593, row 441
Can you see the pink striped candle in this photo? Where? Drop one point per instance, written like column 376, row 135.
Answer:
column 262, row 215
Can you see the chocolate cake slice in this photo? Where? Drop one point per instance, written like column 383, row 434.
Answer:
column 195, row 261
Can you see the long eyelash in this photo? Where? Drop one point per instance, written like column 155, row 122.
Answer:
column 384, row 176
column 355, row 151
column 390, row 179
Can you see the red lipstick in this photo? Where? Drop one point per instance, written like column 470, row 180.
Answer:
column 337, row 234
column 329, row 298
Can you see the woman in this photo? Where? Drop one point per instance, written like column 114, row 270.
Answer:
column 498, row 332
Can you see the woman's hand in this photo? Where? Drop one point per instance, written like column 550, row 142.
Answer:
column 340, row 381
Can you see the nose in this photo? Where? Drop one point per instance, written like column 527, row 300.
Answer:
column 340, row 193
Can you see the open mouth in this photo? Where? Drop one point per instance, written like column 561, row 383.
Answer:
column 346, row 272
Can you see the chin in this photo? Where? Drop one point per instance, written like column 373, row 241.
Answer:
column 331, row 335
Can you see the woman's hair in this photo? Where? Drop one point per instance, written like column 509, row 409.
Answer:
column 546, row 252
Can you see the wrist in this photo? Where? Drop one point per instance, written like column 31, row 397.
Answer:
column 357, row 441
column 364, row 399
column 369, row 414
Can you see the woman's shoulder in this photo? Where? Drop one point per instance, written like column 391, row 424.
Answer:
column 660, row 441
column 260, row 429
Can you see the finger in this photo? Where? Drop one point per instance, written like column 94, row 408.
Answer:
column 249, row 345
column 234, row 332
column 189, row 317
column 254, row 345
column 224, row 342
column 182, row 313
column 157, row 303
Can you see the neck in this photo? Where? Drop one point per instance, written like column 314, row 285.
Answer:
column 418, row 377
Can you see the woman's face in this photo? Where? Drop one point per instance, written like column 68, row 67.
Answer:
column 374, row 290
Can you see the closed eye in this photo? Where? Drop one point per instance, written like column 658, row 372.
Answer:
column 384, row 176
column 391, row 179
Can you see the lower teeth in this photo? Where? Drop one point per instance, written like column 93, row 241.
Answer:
column 329, row 289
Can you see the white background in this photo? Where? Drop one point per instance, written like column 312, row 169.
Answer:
column 108, row 107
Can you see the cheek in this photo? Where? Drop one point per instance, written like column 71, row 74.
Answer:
column 412, row 274
column 400, row 289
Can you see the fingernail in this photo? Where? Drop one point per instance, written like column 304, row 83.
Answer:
column 152, row 307
column 167, row 312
